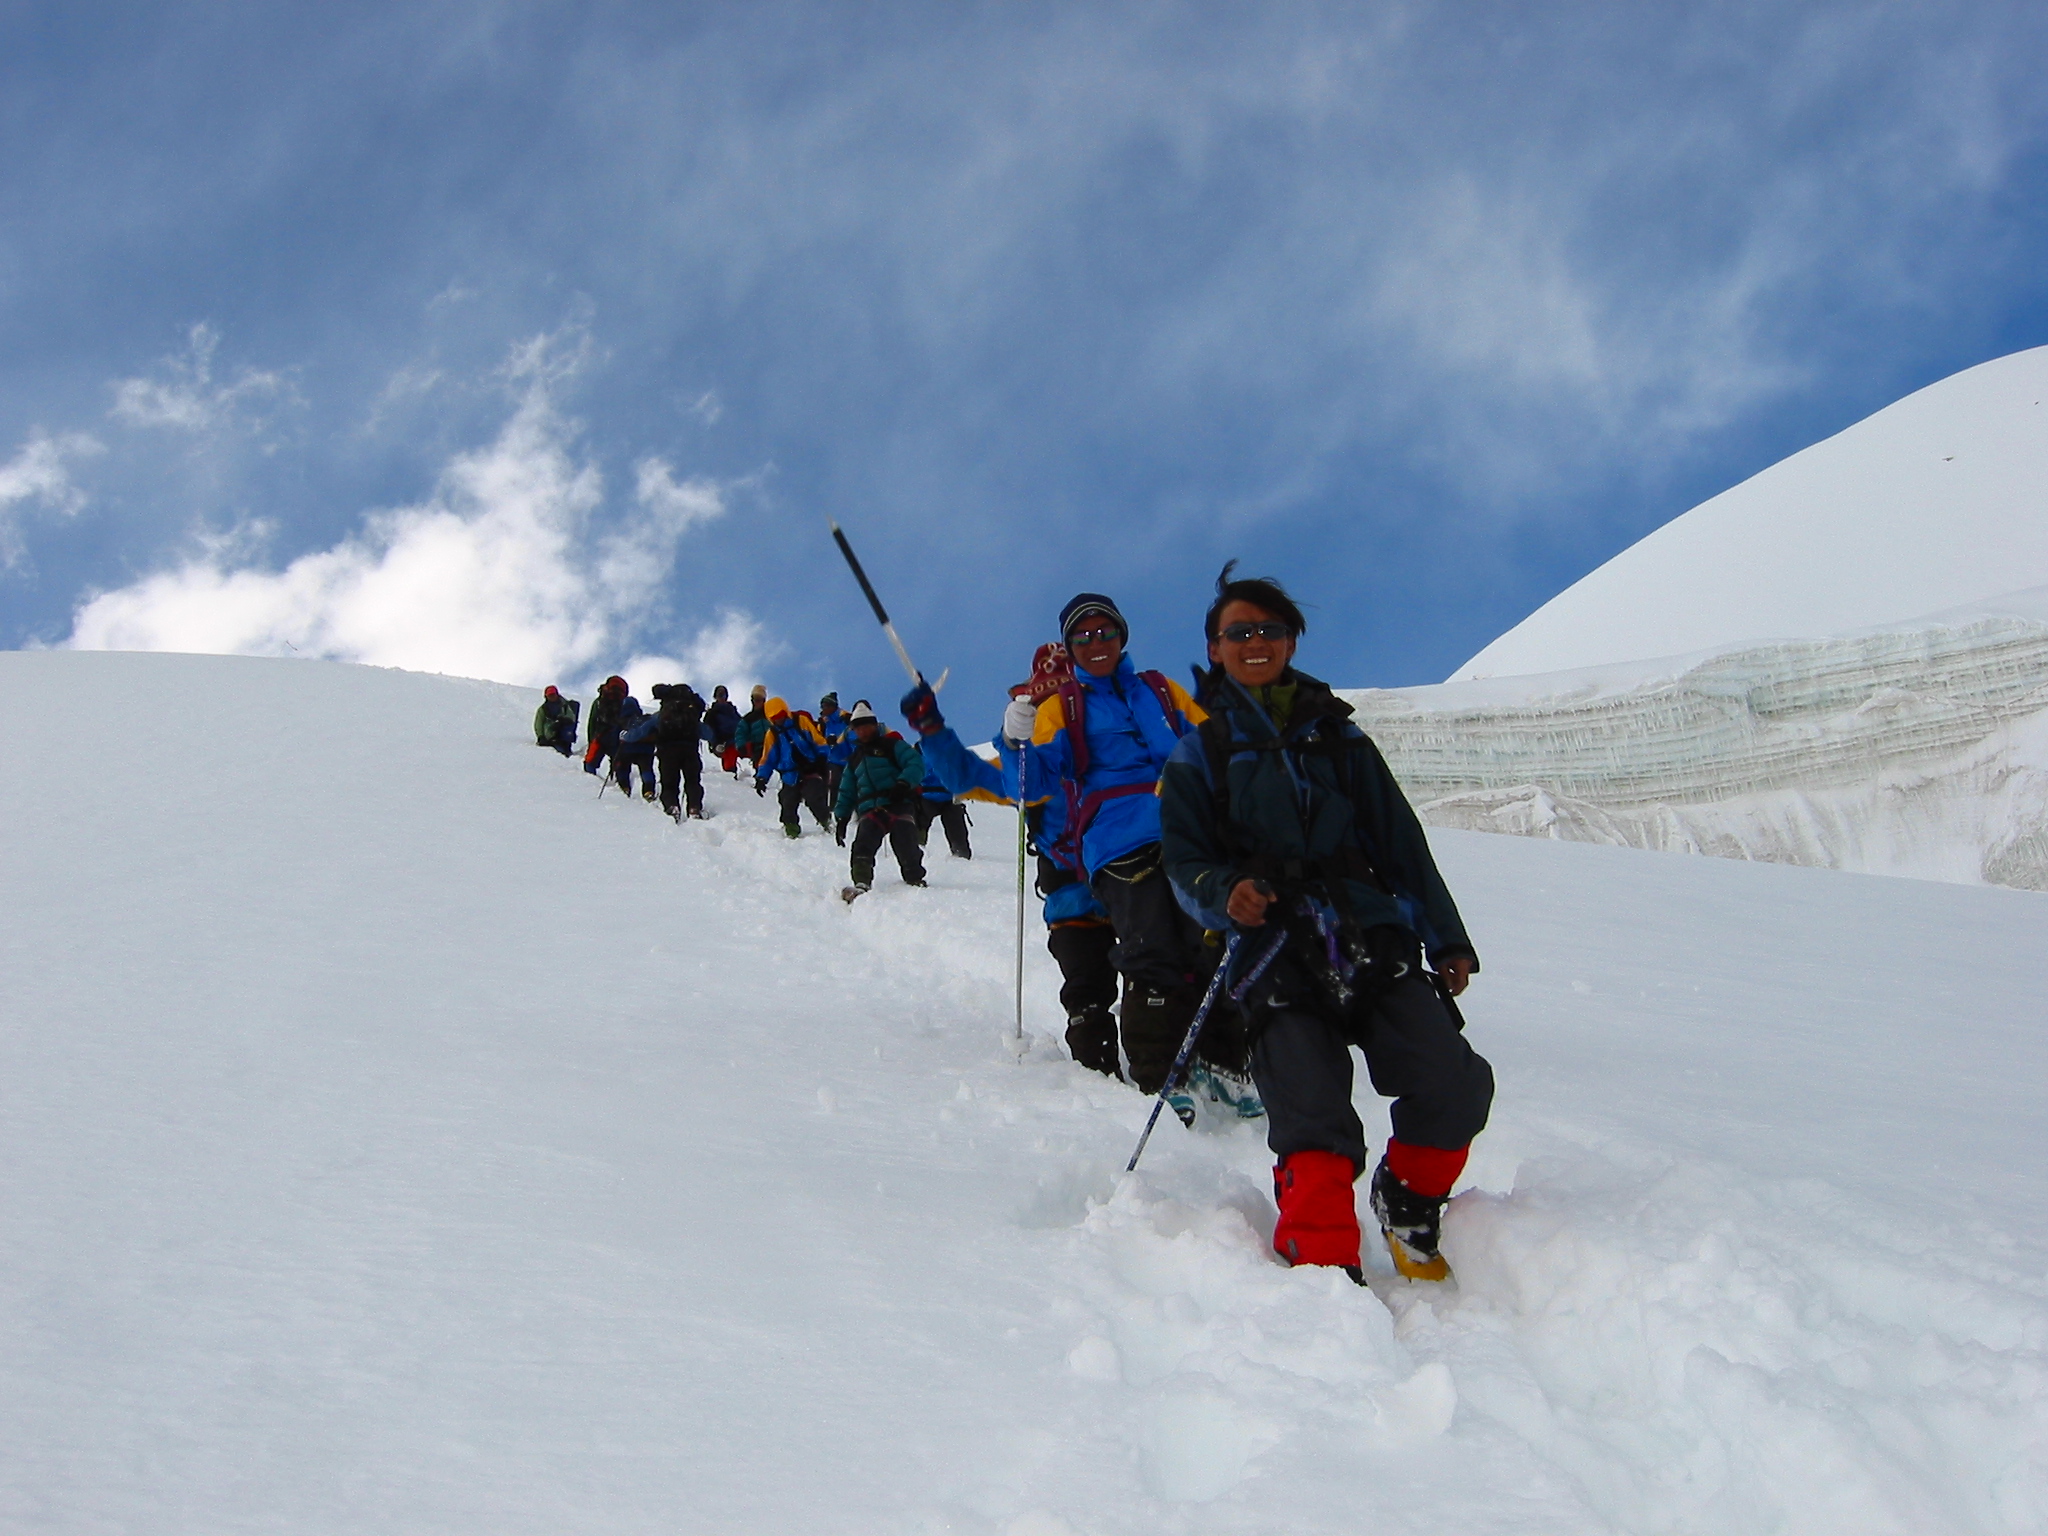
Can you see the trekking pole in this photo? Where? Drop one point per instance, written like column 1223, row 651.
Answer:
column 874, row 602
column 1187, row 1047
column 1023, row 840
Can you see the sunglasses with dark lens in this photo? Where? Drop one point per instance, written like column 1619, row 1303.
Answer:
column 1093, row 636
column 1237, row 634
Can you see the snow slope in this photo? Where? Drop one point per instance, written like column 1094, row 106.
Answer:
column 399, row 1138
column 1938, row 500
column 1917, row 749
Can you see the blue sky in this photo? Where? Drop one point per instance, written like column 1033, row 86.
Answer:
column 531, row 340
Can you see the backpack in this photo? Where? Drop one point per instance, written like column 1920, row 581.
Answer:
column 1082, row 809
column 681, row 712
column 804, row 748
column 1073, row 704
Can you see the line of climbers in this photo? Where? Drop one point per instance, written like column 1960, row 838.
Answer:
column 625, row 738
column 1251, row 818
column 809, row 754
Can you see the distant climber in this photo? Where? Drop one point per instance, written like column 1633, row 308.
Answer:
column 794, row 748
column 679, row 748
column 604, row 715
column 721, row 724
column 753, row 727
column 879, row 790
column 633, row 747
column 554, row 723
column 936, row 804
column 836, row 726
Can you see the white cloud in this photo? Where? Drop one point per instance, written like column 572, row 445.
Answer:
column 734, row 650
column 454, row 293
column 486, row 578
column 38, row 473
column 185, row 397
column 635, row 560
column 413, row 382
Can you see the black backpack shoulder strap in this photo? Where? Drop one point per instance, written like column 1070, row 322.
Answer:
column 1218, row 747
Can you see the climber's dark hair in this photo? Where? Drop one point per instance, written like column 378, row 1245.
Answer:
column 1266, row 592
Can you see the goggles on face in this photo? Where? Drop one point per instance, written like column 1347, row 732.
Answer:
column 1094, row 636
column 1273, row 629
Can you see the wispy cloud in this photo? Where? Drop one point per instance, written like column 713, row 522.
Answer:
column 407, row 385
column 39, row 475
column 635, row 560
column 183, row 395
column 735, row 651
column 1567, row 232
column 487, row 578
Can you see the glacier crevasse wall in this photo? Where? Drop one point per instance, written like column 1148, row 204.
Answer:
column 1916, row 750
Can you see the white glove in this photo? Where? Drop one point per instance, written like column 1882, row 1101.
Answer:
column 1019, row 720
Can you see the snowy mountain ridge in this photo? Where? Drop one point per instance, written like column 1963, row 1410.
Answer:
column 1938, row 500
column 1917, row 749
column 1748, row 680
column 413, row 1140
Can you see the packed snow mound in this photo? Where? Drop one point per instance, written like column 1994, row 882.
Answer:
column 1938, row 500
column 1919, row 749
column 396, row 1135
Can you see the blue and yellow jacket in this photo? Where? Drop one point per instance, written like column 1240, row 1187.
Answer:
column 792, row 749
column 1107, row 781
column 963, row 774
column 970, row 776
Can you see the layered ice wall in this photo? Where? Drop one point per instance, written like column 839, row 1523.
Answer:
column 1916, row 747
column 1919, row 749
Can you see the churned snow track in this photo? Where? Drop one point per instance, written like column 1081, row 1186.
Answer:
column 396, row 1136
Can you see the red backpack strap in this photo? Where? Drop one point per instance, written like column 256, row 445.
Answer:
column 1071, row 698
column 1156, row 681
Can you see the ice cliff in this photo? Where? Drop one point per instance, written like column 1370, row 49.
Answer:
column 1917, row 749
column 1860, row 737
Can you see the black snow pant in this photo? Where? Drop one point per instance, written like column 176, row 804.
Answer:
column 681, row 761
column 1087, row 971
column 901, row 831
column 950, row 814
column 1088, row 992
column 1159, row 950
column 807, row 790
column 1442, row 1089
